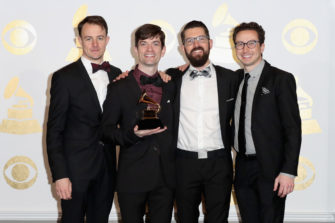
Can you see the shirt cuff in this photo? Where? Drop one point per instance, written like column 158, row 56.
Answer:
column 289, row 175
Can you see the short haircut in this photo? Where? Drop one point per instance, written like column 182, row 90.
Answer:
column 250, row 26
column 95, row 19
column 149, row 31
column 194, row 24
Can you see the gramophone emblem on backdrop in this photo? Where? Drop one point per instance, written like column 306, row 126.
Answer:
column 20, row 115
column 223, row 23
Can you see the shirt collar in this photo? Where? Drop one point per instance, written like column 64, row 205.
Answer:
column 88, row 65
column 257, row 70
column 210, row 65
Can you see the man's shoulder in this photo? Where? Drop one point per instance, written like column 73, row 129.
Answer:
column 227, row 73
column 174, row 72
column 277, row 72
column 222, row 69
column 124, row 83
column 115, row 69
column 70, row 68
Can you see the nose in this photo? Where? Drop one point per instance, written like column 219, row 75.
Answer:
column 95, row 42
column 196, row 43
column 149, row 47
column 245, row 48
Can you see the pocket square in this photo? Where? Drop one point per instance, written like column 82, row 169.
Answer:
column 265, row 90
column 230, row 99
column 168, row 101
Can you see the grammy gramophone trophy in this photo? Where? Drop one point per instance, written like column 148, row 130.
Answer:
column 149, row 116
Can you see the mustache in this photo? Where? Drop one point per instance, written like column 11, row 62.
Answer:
column 197, row 48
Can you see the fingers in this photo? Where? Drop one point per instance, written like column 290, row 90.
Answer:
column 285, row 184
column 276, row 184
column 165, row 77
column 147, row 132
column 64, row 189
column 121, row 76
column 183, row 67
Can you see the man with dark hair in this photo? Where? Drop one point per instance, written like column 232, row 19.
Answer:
column 204, row 103
column 267, row 131
column 146, row 161
column 83, row 168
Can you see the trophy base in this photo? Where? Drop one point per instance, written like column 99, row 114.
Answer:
column 150, row 124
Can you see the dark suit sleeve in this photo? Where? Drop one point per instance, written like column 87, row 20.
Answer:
column 291, row 123
column 112, row 115
column 59, row 105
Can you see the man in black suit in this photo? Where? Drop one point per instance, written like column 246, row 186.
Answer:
column 267, row 131
column 146, row 161
column 83, row 168
column 204, row 103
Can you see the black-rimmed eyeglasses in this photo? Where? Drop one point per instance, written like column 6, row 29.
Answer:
column 200, row 39
column 250, row 44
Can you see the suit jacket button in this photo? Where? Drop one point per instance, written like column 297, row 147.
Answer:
column 101, row 143
column 155, row 148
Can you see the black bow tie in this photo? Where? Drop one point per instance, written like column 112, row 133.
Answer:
column 157, row 81
column 104, row 66
column 205, row 72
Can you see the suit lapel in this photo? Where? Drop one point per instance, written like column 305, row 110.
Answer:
column 222, row 92
column 261, row 82
column 90, row 88
column 178, row 82
column 136, row 90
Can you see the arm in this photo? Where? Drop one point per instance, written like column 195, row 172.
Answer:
column 112, row 114
column 291, row 125
column 59, row 104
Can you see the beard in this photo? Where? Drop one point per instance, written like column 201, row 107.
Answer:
column 198, row 60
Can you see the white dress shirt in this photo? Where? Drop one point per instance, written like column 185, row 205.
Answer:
column 99, row 80
column 199, row 122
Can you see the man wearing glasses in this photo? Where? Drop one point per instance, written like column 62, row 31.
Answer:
column 267, row 134
column 205, row 96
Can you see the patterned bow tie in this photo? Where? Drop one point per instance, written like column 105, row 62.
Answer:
column 157, row 81
column 205, row 72
column 104, row 66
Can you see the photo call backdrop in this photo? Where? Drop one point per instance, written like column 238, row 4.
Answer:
column 38, row 37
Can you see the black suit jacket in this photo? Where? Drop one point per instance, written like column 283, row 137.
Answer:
column 73, row 130
column 275, row 122
column 227, row 84
column 142, row 161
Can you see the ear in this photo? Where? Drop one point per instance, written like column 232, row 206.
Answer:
column 135, row 50
column 210, row 44
column 262, row 47
column 80, row 41
column 163, row 51
column 182, row 48
column 107, row 40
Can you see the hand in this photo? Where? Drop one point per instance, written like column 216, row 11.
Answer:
column 165, row 77
column 183, row 67
column 64, row 188
column 286, row 185
column 121, row 76
column 147, row 132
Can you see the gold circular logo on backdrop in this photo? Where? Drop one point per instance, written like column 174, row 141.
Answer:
column 170, row 33
column 306, row 174
column 19, row 37
column 300, row 36
column 20, row 172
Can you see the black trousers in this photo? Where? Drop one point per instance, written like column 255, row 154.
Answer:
column 211, row 177
column 91, row 198
column 257, row 201
column 159, row 201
